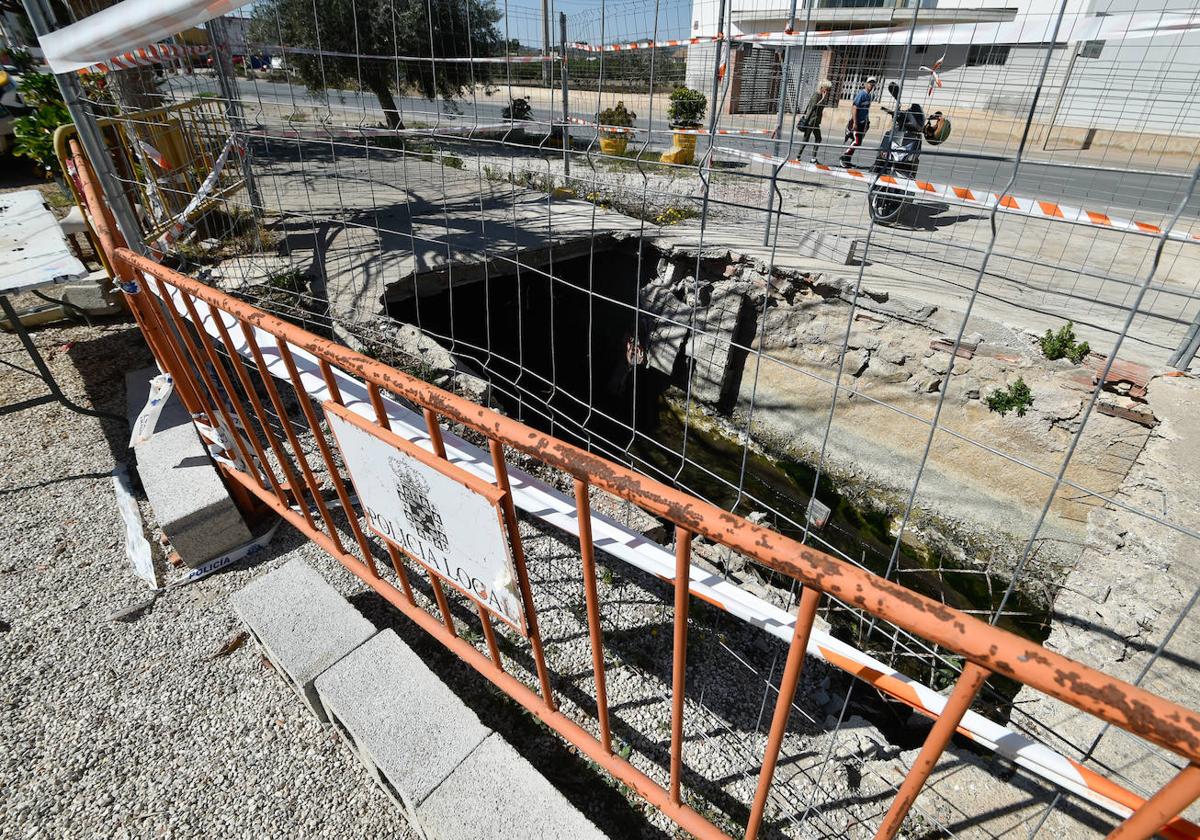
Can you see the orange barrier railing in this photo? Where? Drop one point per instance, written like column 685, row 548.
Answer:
column 223, row 354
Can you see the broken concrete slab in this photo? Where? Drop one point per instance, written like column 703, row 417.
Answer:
column 302, row 625
column 495, row 793
column 379, row 698
column 190, row 501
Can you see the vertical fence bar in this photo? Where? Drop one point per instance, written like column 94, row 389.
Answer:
column 1169, row 802
column 305, row 470
column 285, row 353
column 969, row 682
column 683, row 559
column 566, row 110
column 810, row 599
column 587, row 552
column 397, row 559
column 514, row 535
column 489, row 635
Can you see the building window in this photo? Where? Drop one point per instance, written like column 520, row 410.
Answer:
column 987, row 54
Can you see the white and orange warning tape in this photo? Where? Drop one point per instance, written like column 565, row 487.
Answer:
column 647, row 44
column 974, row 197
column 145, row 57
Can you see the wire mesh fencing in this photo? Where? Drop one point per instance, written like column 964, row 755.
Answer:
column 935, row 357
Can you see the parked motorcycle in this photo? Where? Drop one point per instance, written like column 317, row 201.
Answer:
column 899, row 154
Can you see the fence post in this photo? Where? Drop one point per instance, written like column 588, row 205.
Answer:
column 44, row 22
column 716, row 77
column 227, row 80
column 566, row 127
column 783, row 80
column 1182, row 358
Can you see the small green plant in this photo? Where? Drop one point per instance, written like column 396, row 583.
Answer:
column 453, row 161
column 606, row 575
column 1016, row 397
column 618, row 116
column 1062, row 344
column 673, row 215
column 22, row 60
column 687, row 107
column 34, row 133
column 518, row 109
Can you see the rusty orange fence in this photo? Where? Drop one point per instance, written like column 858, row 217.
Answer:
column 228, row 359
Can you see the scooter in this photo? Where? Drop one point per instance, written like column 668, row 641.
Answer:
column 899, row 153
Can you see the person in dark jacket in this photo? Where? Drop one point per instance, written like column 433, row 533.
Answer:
column 810, row 121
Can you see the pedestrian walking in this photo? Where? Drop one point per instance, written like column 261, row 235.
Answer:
column 860, row 120
column 810, row 121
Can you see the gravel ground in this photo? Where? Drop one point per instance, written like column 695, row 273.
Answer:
column 114, row 729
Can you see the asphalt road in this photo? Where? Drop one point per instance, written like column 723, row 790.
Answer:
column 1137, row 194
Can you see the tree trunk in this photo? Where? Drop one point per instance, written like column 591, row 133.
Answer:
column 391, row 113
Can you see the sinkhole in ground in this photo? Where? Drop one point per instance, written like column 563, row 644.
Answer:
column 555, row 344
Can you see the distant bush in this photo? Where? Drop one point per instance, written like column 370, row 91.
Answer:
column 687, row 107
column 618, row 115
column 1062, row 344
column 453, row 161
column 518, row 109
column 1016, row 397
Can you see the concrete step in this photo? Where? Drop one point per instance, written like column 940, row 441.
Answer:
column 430, row 753
column 302, row 625
column 190, row 501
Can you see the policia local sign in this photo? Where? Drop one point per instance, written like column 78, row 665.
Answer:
column 449, row 521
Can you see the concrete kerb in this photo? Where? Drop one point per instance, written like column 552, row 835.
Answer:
column 190, row 500
column 406, row 726
column 303, row 626
column 495, row 793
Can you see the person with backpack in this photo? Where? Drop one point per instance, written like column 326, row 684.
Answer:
column 860, row 120
column 810, row 121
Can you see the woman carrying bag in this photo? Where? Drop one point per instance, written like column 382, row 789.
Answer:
column 810, row 122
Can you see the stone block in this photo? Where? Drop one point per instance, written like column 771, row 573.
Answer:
column 405, row 725
column 190, row 501
column 495, row 793
column 137, row 391
column 302, row 625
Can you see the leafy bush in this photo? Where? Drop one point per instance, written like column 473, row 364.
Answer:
column 34, row 133
column 518, row 109
column 687, row 107
column 1062, row 344
column 453, row 161
column 618, row 115
column 22, row 60
column 1017, row 397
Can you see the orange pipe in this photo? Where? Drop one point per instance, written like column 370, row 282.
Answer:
column 1159, row 809
column 683, row 559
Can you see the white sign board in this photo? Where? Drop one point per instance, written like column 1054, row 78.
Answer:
column 446, row 519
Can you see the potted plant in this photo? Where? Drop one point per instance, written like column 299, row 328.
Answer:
column 685, row 111
column 614, row 142
column 517, row 109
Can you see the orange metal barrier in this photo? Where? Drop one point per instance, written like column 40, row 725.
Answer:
column 222, row 376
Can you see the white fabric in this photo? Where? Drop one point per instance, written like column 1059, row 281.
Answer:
column 126, row 26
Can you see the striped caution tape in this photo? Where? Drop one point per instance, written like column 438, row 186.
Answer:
column 487, row 59
column 974, row 197
column 727, row 132
column 145, row 56
column 180, row 224
column 647, row 44
column 539, row 499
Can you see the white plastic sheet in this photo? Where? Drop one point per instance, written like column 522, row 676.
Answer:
column 126, row 26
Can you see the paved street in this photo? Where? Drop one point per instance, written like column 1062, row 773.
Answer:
column 1140, row 192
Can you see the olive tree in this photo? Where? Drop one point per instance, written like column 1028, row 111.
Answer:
column 344, row 34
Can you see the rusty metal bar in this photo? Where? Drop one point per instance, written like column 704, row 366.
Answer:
column 314, row 423
column 1169, row 802
column 1134, row 709
column 435, row 432
column 518, row 552
column 683, row 560
column 226, row 383
column 489, row 634
column 806, row 614
column 394, row 554
column 305, row 470
column 969, row 682
column 587, row 552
